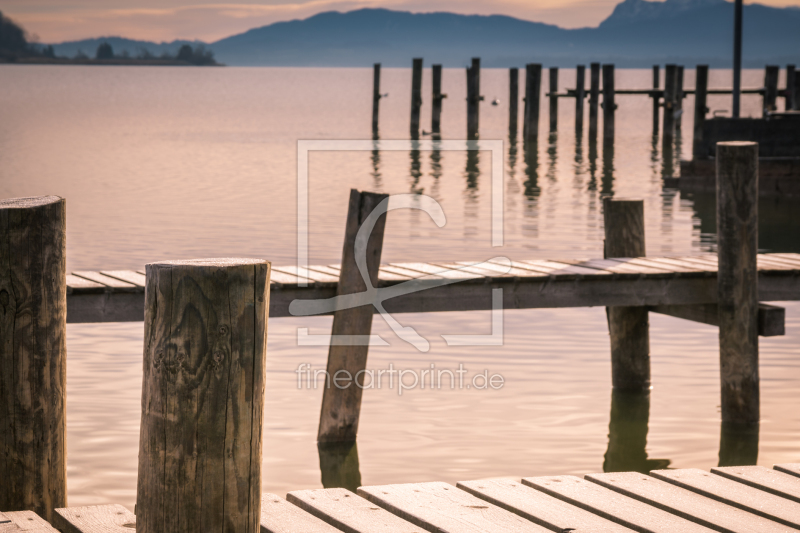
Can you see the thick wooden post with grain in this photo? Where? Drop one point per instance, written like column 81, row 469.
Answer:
column 580, row 95
column 771, row 89
column 594, row 98
column 436, row 100
column 737, row 236
column 553, row 99
column 670, row 78
column 533, row 86
column 33, row 355
column 473, row 98
column 789, row 94
column 609, row 107
column 376, row 96
column 656, row 99
column 416, row 96
column 628, row 326
column 341, row 405
column 205, row 340
column 513, row 99
column 700, row 110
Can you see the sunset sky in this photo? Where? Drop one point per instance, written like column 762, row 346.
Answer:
column 209, row 20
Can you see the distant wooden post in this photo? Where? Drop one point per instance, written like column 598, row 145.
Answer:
column 473, row 98
column 553, row 99
column 608, row 103
column 513, row 99
column 656, row 99
column 670, row 79
column 436, row 107
column 341, row 404
column 700, row 110
column 376, row 96
column 33, row 355
column 205, row 339
column 627, row 326
column 416, row 96
column 737, row 282
column 594, row 98
column 770, row 89
column 679, row 95
column 789, row 101
column 580, row 95
column 533, row 85
column 796, row 98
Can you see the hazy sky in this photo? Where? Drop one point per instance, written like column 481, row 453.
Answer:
column 209, row 20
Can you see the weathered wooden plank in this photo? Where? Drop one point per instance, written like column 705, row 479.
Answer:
column 734, row 494
column 566, row 269
column 280, row 516
column 27, row 522
column 772, row 481
column 771, row 318
column 438, row 507
column 283, row 278
column 634, row 265
column 129, row 276
column 105, row 307
column 794, row 258
column 789, row 468
column 112, row 284
column 442, row 272
column 95, row 519
column 538, row 507
column 681, row 263
column 613, row 506
column 307, row 274
column 781, row 259
column 348, row 512
column 769, row 263
column 489, row 270
column 675, row 268
column 83, row 286
column 4, row 519
column 686, row 504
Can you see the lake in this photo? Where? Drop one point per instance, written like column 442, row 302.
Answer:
column 176, row 163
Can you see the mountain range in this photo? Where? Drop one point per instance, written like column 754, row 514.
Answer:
column 638, row 33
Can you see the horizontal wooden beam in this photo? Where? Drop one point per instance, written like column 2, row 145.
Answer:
column 771, row 318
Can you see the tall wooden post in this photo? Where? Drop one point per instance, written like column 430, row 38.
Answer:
column 700, row 110
column 580, row 95
column 473, row 98
column 737, row 282
column 341, row 404
column 670, row 78
column 627, row 326
column 737, row 56
column 609, row 107
column 533, row 85
column 205, row 340
column 513, row 99
column 770, row 89
column 376, row 96
column 416, row 96
column 594, row 98
column 33, row 355
column 656, row 99
column 789, row 95
column 553, row 99
column 679, row 95
column 436, row 107
column 797, row 89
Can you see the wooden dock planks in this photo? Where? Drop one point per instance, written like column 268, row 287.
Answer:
column 95, row 519
column 280, row 516
column 773, row 481
column 24, row 522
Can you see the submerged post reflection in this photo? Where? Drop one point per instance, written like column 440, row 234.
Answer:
column 338, row 464
column 627, row 434
column 738, row 444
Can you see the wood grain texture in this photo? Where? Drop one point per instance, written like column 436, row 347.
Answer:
column 737, row 280
column 538, row 507
column 533, row 87
column 772, row 481
column 440, row 507
column 202, row 396
column 33, row 351
column 95, row 519
column 348, row 512
column 341, row 406
column 621, row 509
column 25, row 522
column 111, row 283
column 687, row 504
column 734, row 494
column 129, row 276
column 280, row 516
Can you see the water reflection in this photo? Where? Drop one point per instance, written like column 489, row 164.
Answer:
column 338, row 464
column 436, row 167
column 592, row 187
column 416, row 169
column 375, row 158
column 607, row 184
column 738, row 444
column 552, row 156
column 627, row 434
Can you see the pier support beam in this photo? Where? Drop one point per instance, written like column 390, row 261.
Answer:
column 656, row 99
column 670, row 82
column 679, row 96
column 790, row 101
column 796, row 90
column 341, row 406
column 33, row 355
column 627, row 326
column 436, row 106
column 553, row 99
column 594, row 98
column 771, row 89
column 609, row 107
column 376, row 97
column 533, row 86
column 700, row 110
column 416, row 95
column 737, row 234
column 513, row 100
column 473, row 98
column 205, row 340
column 580, row 95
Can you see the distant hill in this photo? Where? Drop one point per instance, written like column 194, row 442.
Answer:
column 638, row 33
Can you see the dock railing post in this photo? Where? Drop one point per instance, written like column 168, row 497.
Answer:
column 656, row 99
column 513, row 100
column 533, row 86
column 628, row 327
column 473, row 98
column 789, row 96
column 436, row 104
column 670, row 79
column 700, row 110
column 553, row 99
column 609, row 107
column 770, row 89
column 580, row 95
column 416, row 96
column 205, row 339
column 594, row 98
column 33, row 355
column 341, row 404
column 376, row 97
column 737, row 281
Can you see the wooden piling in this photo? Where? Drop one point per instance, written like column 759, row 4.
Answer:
column 789, row 99
column 628, row 327
column 770, row 89
column 553, row 99
column 376, row 96
column 205, row 333
column 513, row 99
column 33, row 351
column 796, row 98
column 737, row 57
column 341, row 405
column 436, row 106
column 670, row 78
column 594, row 98
column 679, row 96
column 473, row 98
column 656, row 99
column 700, row 110
column 737, row 281
column 609, row 107
column 416, row 95
column 533, row 85
column 580, row 95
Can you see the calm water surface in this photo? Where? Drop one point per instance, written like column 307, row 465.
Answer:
column 169, row 163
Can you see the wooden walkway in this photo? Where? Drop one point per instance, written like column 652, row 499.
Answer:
column 744, row 499
column 659, row 282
